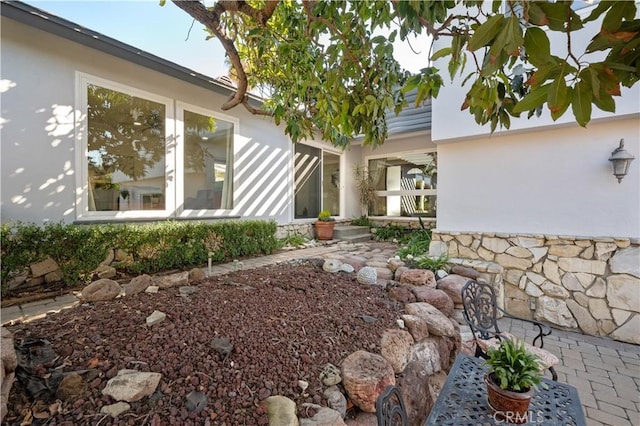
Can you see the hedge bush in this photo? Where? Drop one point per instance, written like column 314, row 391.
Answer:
column 152, row 248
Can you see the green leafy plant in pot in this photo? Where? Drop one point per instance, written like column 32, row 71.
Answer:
column 324, row 225
column 514, row 373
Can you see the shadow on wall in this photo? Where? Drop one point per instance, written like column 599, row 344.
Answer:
column 27, row 192
column 262, row 180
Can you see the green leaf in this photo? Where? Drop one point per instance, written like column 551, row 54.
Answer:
column 534, row 99
column 613, row 19
column 163, row 2
column 486, row 32
column 602, row 7
column 441, row 53
column 537, row 46
column 605, row 102
column 557, row 96
column 581, row 102
column 556, row 15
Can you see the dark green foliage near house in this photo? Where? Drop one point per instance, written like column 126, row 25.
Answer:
column 152, row 248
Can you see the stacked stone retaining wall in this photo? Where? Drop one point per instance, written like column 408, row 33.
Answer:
column 591, row 284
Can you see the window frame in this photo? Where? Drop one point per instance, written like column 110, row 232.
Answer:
column 412, row 193
column 332, row 150
column 83, row 80
column 180, row 211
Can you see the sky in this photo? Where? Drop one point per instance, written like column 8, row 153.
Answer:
column 167, row 31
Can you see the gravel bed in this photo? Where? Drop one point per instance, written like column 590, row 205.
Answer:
column 285, row 322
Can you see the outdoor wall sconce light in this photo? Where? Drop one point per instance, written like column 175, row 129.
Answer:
column 620, row 159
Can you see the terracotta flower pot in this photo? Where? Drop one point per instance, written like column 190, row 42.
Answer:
column 324, row 229
column 508, row 405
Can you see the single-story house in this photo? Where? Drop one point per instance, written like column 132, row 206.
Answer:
column 95, row 130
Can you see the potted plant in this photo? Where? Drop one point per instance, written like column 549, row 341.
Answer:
column 324, row 225
column 513, row 374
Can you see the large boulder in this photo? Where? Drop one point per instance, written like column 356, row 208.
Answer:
column 103, row 289
column 395, row 347
column 418, row 277
column 401, row 294
column 439, row 324
column 137, row 285
column 452, row 285
column 365, row 375
column 8, row 364
column 434, row 297
column 417, row 326
column 416, row 393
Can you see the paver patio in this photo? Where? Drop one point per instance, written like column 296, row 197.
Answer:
column 605, row 372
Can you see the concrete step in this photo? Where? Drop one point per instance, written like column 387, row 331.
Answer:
column 342, row 231
column 355, row 238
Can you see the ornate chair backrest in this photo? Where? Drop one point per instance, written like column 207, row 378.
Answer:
column 479, row 303
column 390, row 410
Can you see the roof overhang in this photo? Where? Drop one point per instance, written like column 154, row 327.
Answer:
column 45, row 21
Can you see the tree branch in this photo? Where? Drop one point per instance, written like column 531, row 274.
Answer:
column 211, row 18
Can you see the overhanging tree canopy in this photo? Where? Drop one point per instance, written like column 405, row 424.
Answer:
column 328, row 68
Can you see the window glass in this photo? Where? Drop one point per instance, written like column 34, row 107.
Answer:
column 307, row 181
column 125, row 151
column 331, row 183
column 406, row 185
column 208, row 156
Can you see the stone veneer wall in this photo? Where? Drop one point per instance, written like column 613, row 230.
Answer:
column 572, row 282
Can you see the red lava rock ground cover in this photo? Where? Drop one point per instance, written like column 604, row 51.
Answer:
column 285, row 321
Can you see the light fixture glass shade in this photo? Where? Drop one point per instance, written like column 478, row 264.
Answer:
column 620, row 160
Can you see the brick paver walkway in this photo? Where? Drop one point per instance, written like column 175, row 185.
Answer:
column 606, row 373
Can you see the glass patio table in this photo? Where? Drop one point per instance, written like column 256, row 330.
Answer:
column 463, row 400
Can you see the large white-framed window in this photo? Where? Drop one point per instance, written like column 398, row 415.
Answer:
column 317, row 176
column 205, row 160
column 125, row 149
column 406, row 184
column 141, row 155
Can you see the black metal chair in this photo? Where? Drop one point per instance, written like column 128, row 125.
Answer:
column 481, row 314
column 390, row 410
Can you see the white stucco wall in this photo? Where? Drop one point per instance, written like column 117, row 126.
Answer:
column 550, row 181
column 38, row 147
column 540, row 176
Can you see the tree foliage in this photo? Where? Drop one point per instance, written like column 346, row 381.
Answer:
column 329, row 68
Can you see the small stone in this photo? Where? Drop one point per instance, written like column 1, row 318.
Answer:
column 196, row 401
column 330, row 375
column 137, row 285
column 132, row 385
column 281, row 410
column 303, row 385
column 152, row 289
column 114, row 410
column 367, row 275
column 187, row 290
column 336, row 400
column 345, row 267
column 196, row 274
column 222, row 345
column 155, row 318
column 71, row 387
column 331, row 265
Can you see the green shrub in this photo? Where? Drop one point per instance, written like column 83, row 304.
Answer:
column 362, row 221
column 416, row 243
column 292, row 240
column 433, row 264
column 391, row 233
column 152, row 248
